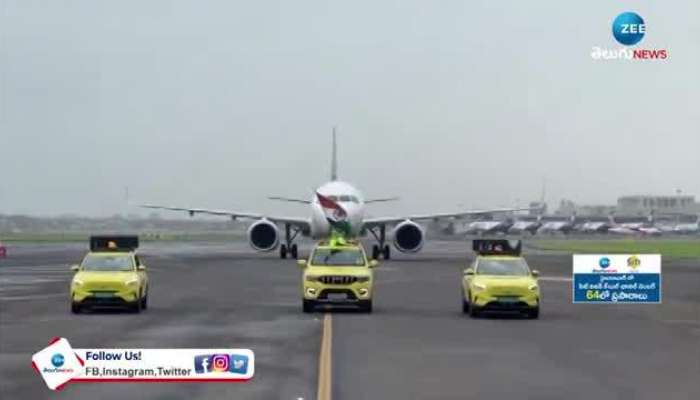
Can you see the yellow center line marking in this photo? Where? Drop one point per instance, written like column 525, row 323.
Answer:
column 324, row 360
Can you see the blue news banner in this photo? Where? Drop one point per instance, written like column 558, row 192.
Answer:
column 619, row 278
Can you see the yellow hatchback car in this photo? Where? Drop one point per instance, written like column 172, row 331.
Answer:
column 111, row 275
column 500, row 280
column 337, row 273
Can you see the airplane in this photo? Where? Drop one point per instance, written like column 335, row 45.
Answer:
column 564, row 227
column 522, row 226
column 484, row 227
column 688, row 229
column 334, row 206
column 594, row 227
column 634, row 228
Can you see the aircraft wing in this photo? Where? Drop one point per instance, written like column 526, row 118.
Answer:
column 298, row 221
column 371, row 222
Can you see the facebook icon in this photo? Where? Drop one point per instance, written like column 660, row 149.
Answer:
column 202, row 364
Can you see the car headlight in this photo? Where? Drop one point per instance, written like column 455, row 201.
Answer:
column 533, row 287
column 77, row 282
column 311, row 278
column 479, row 286
column 132, row 282
column 363, row 279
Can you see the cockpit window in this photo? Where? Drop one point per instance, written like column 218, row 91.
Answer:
column 344, row 198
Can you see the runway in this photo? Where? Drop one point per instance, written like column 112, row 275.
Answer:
column 416, row 345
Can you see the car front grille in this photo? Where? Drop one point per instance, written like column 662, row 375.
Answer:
column 508, row 291
column 337, row 279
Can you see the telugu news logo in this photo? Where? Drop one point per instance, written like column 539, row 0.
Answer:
column 57, row 360
column 628, row 29
column 605, row 265
column 233, row 363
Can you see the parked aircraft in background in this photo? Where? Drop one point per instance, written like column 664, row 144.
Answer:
column 647, row 228
column 525, row 226
column 688, row 229
column 559, row 226
column 490, row 227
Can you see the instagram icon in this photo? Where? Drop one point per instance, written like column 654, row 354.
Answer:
column 220, row 362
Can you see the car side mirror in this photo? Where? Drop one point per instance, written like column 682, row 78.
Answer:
column 373, row 263
column 469, row 271
column 141, row 268
column 535, row 273
column 301, row 263
column 75, row 268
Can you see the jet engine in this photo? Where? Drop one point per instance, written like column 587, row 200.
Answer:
column 408, row 237
column 263, row 235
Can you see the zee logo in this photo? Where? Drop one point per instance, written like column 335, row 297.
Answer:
column 628, row 28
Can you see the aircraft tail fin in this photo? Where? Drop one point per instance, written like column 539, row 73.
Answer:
column 334, row 159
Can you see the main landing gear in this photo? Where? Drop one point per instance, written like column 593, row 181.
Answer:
column 380, row 249
column 289, row 247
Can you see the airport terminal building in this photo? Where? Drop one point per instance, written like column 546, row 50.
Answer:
column 642, row 205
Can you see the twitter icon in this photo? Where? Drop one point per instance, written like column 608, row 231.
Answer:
column 238, row 364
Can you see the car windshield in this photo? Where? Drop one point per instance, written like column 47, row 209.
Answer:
column 117, row 262
column 513, row 267
column 338, row 257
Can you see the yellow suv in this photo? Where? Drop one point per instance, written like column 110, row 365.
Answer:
column 500, row 280
column 111, row 275
column 337, row 273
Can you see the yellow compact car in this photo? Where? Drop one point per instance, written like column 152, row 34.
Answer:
column 500, row 280
column 111, row 275
column 337, row 273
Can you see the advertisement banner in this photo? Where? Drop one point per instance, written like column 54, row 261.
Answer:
column 616, row 278
column 59, row 364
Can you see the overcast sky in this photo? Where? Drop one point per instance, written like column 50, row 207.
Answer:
column 445, row 104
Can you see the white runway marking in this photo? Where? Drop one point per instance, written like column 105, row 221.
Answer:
column 29, row 269
column 33, row 297
column 555, row 278
column 23, row 280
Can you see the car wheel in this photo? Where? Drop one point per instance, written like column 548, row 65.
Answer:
column 136, row 307
column 308, row 305
column 534, row 312
column 75, row 308
column 144, row 301
column 465, row 303
column 465, row 307
column 366, row 306
column 474, row 312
